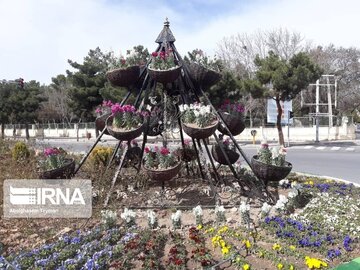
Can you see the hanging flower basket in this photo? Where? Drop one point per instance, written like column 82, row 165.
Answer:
column 234, row 123
column 163, row 175
column 123, row 77
column 196, row 132
column 65, row 171
column 100, row 122
column 219, row 156
column 268, row 172
column 186, row 154
column 123, row 134
column 164, row 76
column 203, row 76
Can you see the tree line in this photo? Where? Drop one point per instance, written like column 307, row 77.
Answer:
column 276, row 64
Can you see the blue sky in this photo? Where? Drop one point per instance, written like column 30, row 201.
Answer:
column 38, row 36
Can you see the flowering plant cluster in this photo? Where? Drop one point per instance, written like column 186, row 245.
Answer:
column 274, row 156
column 177, row 256
column 163, row 60
column 126, row 116
column 198, row 213
column 138, row 56
column 104, row 107
column 199, row 57
column 108, row 218
column 129, row 217
column 176, row 219
column 197, row 113
column 228, row 144
column 53, row 158
column 160, row 158
column 236, row 108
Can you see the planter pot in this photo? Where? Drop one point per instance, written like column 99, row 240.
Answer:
column 165, row 76
column 219, row 156
column 65, row 171
column 234, row 123
column 196, row 132
column 122, row 134
column 100, row 122
column 203, row 76
column 270, row 172
column 123, row 77
column 163, row 175
column 186, row 154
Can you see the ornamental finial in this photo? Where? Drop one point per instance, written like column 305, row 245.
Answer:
column 167, row 23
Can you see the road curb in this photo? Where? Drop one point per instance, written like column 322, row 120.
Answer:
column 327, row 177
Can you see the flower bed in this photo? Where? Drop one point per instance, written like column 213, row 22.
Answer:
column 314, row 225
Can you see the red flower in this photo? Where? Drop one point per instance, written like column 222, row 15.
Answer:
column 147, row 150
column 164, row 151
column 154, row 54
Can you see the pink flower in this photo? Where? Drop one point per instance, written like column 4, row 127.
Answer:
column 147, row 150
column 134, row 142
column 98, row 110
column 51, row 152
column 154, row 54
column 116, row 108
column 187, row 141
column 164, row 151
column 227, row 141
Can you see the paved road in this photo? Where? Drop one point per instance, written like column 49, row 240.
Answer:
column 340, row 163
column 335, row 159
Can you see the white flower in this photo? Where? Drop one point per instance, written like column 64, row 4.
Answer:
column 176, row 216
column 151, row 217
column 284, row 183
column 265, row 209
column 128, row 215
column 293, row 193
column 244, row 207
column 197, row 211
column 275, row 152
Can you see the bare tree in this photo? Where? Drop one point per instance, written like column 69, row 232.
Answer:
column 239, row 51
column 345, row 64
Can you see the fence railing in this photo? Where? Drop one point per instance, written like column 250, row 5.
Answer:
column 308, row 121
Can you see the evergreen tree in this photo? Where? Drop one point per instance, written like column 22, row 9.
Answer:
column 24, row 104
column 281, row 80
column 84, row 95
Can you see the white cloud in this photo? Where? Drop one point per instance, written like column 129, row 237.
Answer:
column 38, row 36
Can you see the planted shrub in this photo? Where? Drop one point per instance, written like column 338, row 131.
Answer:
column 100, row 155
column 20, row 151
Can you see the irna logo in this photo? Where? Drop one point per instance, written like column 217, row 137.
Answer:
column 45, row 196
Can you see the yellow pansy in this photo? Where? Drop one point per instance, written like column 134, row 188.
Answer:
column 292, row 247
column 291, row 267
column 247, row 243
column 246, row 266
column 224, row 250
column 199, row 227
column 276, row 247
column 280, row 266
column 313, row 263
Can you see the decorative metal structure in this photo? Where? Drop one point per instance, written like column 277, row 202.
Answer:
column 182, row 88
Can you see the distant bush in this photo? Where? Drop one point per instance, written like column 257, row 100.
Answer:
column 20, row 151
